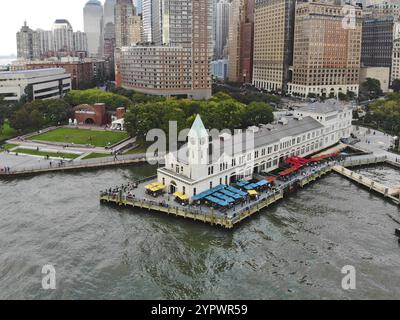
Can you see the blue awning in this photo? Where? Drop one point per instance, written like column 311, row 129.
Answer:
column 231, row 194
column 237, row 191
column 251, row 186
column 217, row 201
column 209, row 192
column 262, row 183
column 223, row 197
column 242, row 183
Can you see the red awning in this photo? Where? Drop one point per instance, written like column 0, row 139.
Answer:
column 288, row 171
column 271, row 179
column 323, row 157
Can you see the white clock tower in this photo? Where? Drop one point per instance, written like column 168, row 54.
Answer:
column 198, row 149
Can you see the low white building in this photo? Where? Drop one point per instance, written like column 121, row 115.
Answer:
column 205, row 162
column 49, row 83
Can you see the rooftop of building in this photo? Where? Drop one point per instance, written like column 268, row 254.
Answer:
column 32, row 73
column 264, row 135
column 94, row 2
column 328, row 106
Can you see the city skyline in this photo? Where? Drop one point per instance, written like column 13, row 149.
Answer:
column 41, row 19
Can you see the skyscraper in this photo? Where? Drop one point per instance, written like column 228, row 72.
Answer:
column 240, row 41
column 135, row 30
column 63, row 35
column 146, row 20
column 109, row 14
column 80, row 41
column 273, row 44
column 152, row 14
column 181, row 65
column 326, row 54
column 28, row 45
column 93, row 26
column 222, row 27
column 124, row 9
column 138, row 6
column 46, row 40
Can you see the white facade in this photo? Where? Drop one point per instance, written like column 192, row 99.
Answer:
column 46, row 83
column 63, row 35
column 320, row 90
column 80, row 41
column 46, row 40
column 313, row 129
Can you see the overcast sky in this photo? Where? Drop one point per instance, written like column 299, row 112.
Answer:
column 38, row 14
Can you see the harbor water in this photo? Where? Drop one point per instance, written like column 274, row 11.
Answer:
column 293, row 250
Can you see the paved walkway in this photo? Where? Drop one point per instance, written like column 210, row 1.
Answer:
column 378, row 143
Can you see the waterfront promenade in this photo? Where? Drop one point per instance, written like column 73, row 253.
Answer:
column 25, row 164
column 376, row 145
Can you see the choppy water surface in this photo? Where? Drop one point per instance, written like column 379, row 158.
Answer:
column 293, row 250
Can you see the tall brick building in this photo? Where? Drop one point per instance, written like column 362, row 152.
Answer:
column 326, row 53
column 240, row 41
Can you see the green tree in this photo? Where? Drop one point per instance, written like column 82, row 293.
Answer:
column 396, row 85
column 371, row 88
column 257, row 113
column 92, row 96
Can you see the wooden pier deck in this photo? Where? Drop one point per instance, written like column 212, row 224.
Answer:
column 389, row 193
column 211, row 217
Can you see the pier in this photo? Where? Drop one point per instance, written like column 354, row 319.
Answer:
column 392, row 193
column 228, row 219
column 234, row 216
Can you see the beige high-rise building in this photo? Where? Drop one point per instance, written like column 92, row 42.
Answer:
column 124, row 10
column 327, row 50
column 135, row 30
column 273, row 44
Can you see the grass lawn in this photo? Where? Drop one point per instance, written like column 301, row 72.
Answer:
column 45, row 153
column 8, row 146
column 95, row 155
column 7, row 132
column 139, row 149
column 82, row 136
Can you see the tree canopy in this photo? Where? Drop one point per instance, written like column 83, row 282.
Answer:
column 370, row 89
column 92, row 96
column 220, row 112
column 36, row 114
column 385, row 114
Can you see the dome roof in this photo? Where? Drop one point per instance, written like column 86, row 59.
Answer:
column 94, row 3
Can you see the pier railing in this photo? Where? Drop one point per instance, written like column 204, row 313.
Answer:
column 58, row 165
